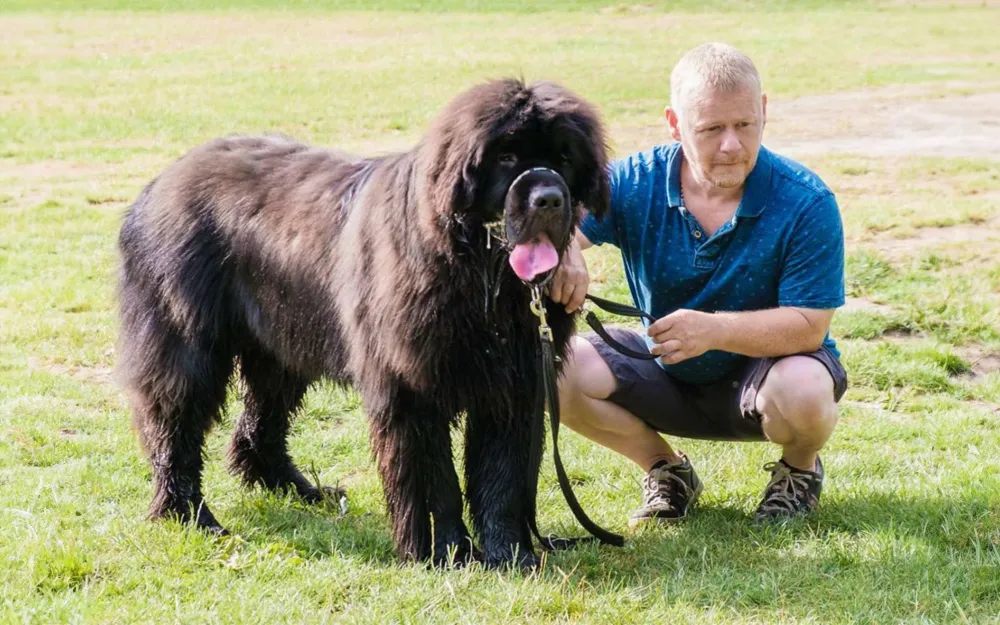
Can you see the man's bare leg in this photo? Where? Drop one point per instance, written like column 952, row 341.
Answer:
column 584, row 388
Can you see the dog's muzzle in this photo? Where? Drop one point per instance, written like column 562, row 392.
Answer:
column 536, row 216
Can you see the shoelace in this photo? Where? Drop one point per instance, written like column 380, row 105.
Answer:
column 784, row 487
column 659, row 487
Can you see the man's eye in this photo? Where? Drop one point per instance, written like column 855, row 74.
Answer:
column 508, row 159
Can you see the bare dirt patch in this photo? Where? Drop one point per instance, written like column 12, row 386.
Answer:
column 983, row 238
column 898, row 121
column 50, row 169
column 994, row 408
column 859, row 304
column 913, row 120
column 877, row 409
column 98, row 374
column 981, row 361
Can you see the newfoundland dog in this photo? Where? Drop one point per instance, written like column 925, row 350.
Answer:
column 290, row 263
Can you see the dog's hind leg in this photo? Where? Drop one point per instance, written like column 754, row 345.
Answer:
column 258, row 450
column 411, row 441
column 176, row 389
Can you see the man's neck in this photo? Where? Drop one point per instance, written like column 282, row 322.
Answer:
column 703, row 193
column 708, row 204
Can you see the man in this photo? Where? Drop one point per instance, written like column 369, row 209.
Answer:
column 739, row 254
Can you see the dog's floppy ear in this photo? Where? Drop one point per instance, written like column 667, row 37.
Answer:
column 449, row 168
column 596, row 195
column 581, row 121
column 446, row 182
column 451, row 153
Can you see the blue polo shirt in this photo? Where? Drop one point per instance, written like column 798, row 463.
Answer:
column 784, row 246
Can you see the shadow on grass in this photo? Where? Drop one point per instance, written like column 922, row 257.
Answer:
column 870, row 557
column 941, row 527
column 855, row 556
column 313, row 531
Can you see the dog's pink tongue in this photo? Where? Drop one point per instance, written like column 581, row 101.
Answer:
column 530, row 259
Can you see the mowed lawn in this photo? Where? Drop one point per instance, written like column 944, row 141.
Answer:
column 94, row 103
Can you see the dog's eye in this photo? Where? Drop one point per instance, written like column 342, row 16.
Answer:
column 508, row 159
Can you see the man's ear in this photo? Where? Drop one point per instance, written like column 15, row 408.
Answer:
column 673, row 123
column 763, row 109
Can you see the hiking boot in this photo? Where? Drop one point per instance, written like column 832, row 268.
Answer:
column 791, row 492
column 667, row 492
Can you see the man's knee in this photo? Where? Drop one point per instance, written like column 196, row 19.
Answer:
column 585, row 375
column 799, row 390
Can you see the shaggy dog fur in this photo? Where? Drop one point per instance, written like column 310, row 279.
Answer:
column 290, row 263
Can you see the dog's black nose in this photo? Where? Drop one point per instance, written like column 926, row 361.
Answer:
column 544, row 198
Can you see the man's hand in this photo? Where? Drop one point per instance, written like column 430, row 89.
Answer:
column 685, row 334
column 571, row 280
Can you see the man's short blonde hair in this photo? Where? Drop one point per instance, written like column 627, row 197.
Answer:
column 717, row 66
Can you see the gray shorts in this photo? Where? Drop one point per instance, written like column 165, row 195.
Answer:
column 724, row 410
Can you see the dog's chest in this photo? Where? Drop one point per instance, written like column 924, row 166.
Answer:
column 496, row 346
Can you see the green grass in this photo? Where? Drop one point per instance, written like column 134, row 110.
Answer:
column 95, row 103
column 499, row 6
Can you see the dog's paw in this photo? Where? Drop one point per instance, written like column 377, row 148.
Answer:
column 521, row 559
column 333, row 496
column 189, row 512
column 456, row 553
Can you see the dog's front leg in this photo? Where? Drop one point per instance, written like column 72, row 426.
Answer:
column 501, row 473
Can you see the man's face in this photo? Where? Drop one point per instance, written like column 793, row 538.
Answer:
column 720, row 133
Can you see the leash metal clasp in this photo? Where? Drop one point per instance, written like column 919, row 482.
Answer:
column 538, row 309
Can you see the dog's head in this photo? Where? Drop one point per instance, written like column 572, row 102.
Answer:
column 532, row 156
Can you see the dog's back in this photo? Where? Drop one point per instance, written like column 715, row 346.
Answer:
column 234, row 239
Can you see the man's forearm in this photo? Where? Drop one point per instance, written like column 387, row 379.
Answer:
column 773, row 332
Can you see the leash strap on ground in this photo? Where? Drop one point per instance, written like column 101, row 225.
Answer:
column 617, row 309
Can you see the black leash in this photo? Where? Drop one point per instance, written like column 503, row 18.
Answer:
column 617, row 309
column 547, row 373
column 549, row 383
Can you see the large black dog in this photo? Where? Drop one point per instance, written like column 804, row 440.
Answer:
column 294, row 263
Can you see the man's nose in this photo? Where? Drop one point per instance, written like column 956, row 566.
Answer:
column 730, row 141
